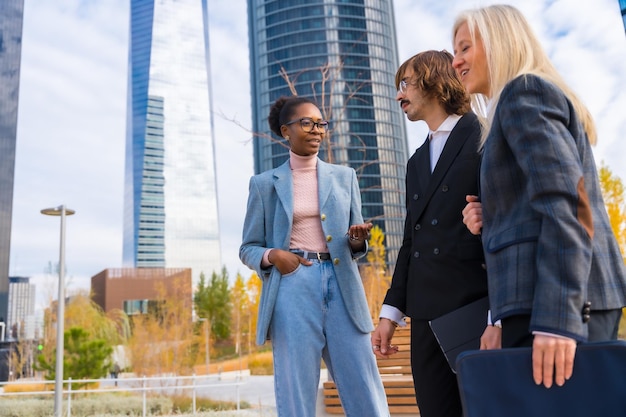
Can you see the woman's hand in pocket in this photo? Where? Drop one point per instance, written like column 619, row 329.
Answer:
column 286, row 262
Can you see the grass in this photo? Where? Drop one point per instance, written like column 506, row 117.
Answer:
column 120, row 404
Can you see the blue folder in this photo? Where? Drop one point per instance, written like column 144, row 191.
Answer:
column 499, row 383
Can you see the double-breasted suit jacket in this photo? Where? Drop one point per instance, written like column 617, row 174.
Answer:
column 440, row 264
column 268, row 225
column 548, row 242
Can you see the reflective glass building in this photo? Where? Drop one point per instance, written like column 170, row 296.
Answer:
column 170, row 201
column 21, row 314
column 11, row 17
column 342, row 53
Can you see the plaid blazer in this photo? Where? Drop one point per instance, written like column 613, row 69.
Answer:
column 548, row 242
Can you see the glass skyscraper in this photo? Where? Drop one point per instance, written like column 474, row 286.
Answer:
column 21, row 314
column 11, row 17
column 622, row 6
column 342, row 53
column 170, row 200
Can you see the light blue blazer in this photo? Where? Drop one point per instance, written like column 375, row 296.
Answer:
column 268, row 223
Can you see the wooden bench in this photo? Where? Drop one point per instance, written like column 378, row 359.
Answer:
column 396, row 375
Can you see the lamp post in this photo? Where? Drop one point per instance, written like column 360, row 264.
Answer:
column 206, row 342
column 58, row 381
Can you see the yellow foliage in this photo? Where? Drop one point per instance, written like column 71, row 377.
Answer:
column 81, row 311
column 162, row 340
column 41, row 387
column 261, row 364
column 614, row 200
column 33, row 387
column 376, row 278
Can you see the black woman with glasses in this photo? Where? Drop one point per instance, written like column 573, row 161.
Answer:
column 302, row 234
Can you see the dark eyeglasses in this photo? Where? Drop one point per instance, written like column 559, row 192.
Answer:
column 306, row 123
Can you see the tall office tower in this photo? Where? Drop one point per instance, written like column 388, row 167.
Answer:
column 170, row 200
column 11, row 16
column 21, row 307
column 342, row 53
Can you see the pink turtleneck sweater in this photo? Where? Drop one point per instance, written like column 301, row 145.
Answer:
column 306, row 231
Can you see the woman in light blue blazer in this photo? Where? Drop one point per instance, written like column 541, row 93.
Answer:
column 302, row 234
column 556, row 276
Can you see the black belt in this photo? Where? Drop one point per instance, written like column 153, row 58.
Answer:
column 320, row 256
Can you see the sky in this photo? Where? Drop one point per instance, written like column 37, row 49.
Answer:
column 72, row 115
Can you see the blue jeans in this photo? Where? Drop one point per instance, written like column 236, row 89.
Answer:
column 310, row 323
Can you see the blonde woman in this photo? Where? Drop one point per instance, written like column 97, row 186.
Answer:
column 555, row 273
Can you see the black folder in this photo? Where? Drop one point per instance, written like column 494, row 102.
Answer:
column 498, row 383
column 460, row 330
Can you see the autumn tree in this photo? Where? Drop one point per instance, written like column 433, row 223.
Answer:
column 376, row 278
column 614, row 200
column 163, row 339
column 253, row 290
column 613, row 194
column 241, row 312
column 81, row 312
column 21, row 358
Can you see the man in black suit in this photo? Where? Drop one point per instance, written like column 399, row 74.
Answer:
column 440, row 266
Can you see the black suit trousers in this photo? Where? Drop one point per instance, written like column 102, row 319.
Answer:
column 436, row 386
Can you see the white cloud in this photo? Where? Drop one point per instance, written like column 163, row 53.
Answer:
column 72, row 115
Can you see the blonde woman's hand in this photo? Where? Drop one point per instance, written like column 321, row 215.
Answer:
column 553, row 359
column 473, row 214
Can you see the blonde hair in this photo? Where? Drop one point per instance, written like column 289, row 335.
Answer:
column 512, row 49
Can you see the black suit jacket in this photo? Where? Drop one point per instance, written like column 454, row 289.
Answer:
column 440, row 266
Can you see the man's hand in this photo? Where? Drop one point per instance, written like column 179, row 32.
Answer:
column 381, row 339
column 285, row 261
column 553, row 359
column 491, row 338
column 473, row 214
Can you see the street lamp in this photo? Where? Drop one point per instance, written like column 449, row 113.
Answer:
column 58, row 381
column 206, row 342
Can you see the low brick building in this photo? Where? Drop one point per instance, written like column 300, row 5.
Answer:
column 135, row 290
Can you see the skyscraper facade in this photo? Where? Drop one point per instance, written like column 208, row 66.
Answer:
column 11, row 17
column 622, row 6
column 342, row 53
column 170, row 200
column 21, row 307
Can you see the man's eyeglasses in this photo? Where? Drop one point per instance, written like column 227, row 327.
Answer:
column 307, row 124
column 402, row 87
